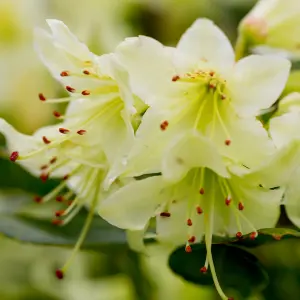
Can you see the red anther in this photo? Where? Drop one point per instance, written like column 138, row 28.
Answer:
column 42, row 97
column 192, row 239
column 70, row 89
column 69, row 203
column 14, row 156
column 241, row 206
column 212, row 85
column 59, row 213
column 201, row 191
column 56, row 114
column 188, row 249
column 199, row 210
column 230, row 298
column 164, row 125
column 64, row 73
column 59, row 274
column 223, row 97
column 175, row 78
column 45, row 140
column 57, row 222
column 239, row 235
column 165, row 214
column 53, row 160
column 211, row 73
column 277, row 237
column 44, row 167
column 63, row 130
column 86, row 72
column 38, row 199
column 203, row 270
column 189, row 222
column 66, row 177
column 81, row 132
column 44, row 177
column 253, row 235
column 85, row 93
column 227, row 142
column 227, row 201
column 59, row 198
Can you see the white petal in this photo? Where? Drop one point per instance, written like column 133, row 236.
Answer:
column 256, row 82
column 132, row 206
column 149, row 65
column 285, row 128
column 204, row 40
column 68, row 41
column 292, row 198
column 191, row 150
column 290, row 103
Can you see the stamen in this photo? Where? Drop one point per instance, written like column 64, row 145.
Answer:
column 189, row 222
column 253, row 235
column 211, row 73
column 59, row 198
column 65, row 73
column 59, row 213
column 203, row 270
column 192, row 239
column 46, row 141
column 86, row 72
column 70, row 89
column 66, row 177
column 239, row 235
column 56, row 114
column 38, row 199
column 164, row 125
column 59, row 274
column 241, row 206
column 42, row 97
column 199, row 210
column 85, row 93
column 175, row 78
column 63, row 130
column 188, row 248
column 201, row 191
column 44, row 177
column 44, row 167
column 53, row 160
column 81, row 132
column 228, row 201
column 14, row 156
column 57, row 222
column 165, row 214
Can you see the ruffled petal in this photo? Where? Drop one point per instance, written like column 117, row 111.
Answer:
column 132, row 206
column 205, row 41
column 256, row 83
column 150, row 66
column 191, row 150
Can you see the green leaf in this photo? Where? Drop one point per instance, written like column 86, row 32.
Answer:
column 236, row 269
column 17, row 222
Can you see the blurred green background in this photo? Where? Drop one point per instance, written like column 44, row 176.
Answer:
column 26, row 271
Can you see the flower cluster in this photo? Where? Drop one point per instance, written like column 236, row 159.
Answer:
column 166, row 134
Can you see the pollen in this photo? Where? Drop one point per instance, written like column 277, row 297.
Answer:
column 192, row 239
column 42, row 97
column 63, row 130
column 81, row 132
column 253, row 235
column 70, row 89
column 85, row 93
column 189, row 222
column 201, row 191
column 227, row 201
column 66, row 177
column 45, row 140
column 164, row 125
column 59, row 274
column 241, row 206
column 212, row 85
column 14, row 156
column 44, row 167
column 165, row 214
column 175, row 78
column 203, row 270
column 64, row 74
column 53, row 160
column 59, row 198
column 56, row 114
column 38, row 199
column 59, row 213
column 86, row 72
column 239, row 235
column 227, row 142
column 211, row 73
column 199, row 210
column 188, row 249
column 44, row 177
column 57, row 222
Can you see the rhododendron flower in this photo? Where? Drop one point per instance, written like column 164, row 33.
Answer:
column 198, row 86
